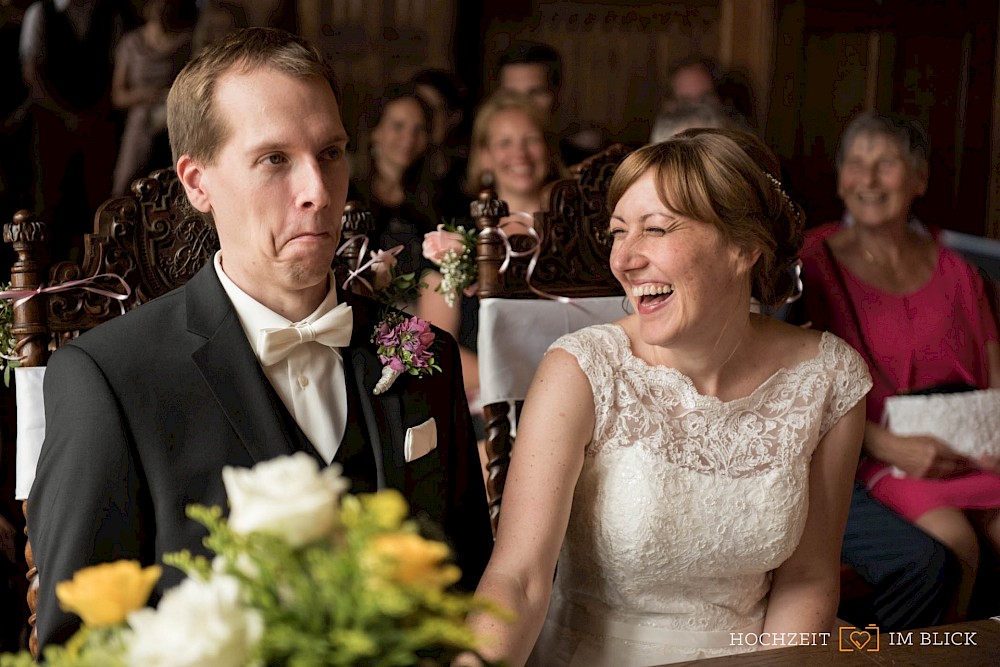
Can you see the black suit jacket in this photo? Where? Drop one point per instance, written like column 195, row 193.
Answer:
column 143, row 412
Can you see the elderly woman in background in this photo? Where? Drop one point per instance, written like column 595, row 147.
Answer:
column 688, row 465
column 511, row 142
column 919, row 315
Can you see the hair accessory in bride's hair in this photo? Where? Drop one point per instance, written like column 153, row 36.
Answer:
column 784, row 195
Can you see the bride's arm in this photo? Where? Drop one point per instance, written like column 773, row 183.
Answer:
column 806, row 587
column 556, row 424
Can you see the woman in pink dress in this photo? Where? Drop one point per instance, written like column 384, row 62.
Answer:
column 919, row 315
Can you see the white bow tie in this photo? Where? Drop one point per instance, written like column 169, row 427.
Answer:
column 332, row 330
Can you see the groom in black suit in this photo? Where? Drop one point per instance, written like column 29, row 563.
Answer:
column 257, row 356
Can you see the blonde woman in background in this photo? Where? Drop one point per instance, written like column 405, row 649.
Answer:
column 513, row 151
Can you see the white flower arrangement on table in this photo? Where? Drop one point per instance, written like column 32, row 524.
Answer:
column 304, row 576
column 453, row 249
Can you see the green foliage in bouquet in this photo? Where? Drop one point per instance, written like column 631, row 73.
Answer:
column 372, row 593
column 403, row 289
column 8, row 360
column 303, row 576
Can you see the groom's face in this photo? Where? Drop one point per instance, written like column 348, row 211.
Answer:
column 277, row 187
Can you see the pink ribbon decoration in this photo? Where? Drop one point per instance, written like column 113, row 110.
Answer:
column 797, row 287
column 376, row 256
column 533, row 252
column 86, row 284
column 22, row 296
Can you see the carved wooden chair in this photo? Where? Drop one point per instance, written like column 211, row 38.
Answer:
column 154, row 240
column 572, row 261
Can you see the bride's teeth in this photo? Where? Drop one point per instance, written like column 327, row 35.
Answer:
column 651, row 290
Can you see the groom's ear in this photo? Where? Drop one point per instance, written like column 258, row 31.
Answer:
column 191, row 174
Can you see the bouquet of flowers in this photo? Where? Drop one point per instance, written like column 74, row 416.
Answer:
column 453, row 249
column 304, row 576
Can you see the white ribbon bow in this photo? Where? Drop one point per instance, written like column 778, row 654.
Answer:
column 333, row 330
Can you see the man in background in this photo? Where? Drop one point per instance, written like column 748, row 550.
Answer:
column 535, row 69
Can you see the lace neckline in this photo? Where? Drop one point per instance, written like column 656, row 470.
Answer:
column 688, row 385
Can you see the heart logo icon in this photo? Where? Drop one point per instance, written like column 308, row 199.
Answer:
column 860, row 639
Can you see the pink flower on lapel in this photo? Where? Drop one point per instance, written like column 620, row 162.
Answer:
column 403, row 347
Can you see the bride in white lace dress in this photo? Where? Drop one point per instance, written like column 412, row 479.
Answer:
column 690, row 465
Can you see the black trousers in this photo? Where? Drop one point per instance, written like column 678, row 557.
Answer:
column 914, row 577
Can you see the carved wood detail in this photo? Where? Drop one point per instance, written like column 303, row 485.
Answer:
column 153, row 239
column 573, row 258
column 499, row 444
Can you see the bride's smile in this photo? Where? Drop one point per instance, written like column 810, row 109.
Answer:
column 683, row 279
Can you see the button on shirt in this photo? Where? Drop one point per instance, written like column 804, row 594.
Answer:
column 310, row 380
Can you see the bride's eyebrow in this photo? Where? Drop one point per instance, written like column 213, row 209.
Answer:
column 666, row 215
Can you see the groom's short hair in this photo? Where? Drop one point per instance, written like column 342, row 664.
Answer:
column 196, row 127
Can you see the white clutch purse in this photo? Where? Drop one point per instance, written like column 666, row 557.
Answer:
column 967, row 421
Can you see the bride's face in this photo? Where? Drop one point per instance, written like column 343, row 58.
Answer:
column 683, row 279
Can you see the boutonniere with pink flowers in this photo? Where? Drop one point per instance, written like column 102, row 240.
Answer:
column 453, row 249
column 403, row 347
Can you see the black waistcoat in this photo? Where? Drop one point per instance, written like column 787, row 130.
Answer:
column 355, row 453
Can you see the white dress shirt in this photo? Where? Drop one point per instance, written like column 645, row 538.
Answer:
column 310, row 380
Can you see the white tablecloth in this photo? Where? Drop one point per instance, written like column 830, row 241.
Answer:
column 515, row 333
column 30, row 426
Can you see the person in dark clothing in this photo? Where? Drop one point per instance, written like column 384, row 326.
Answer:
column 398, row 189
column 66, row 58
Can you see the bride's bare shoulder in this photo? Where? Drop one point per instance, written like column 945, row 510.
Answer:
column 788, row 343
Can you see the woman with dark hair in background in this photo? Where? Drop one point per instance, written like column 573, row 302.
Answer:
column 447, row 97
column 397, row 188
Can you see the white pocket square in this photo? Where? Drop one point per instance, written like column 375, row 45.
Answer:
column 420, row 440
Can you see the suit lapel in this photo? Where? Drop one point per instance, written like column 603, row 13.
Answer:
column 231, row 371
column 383, row 414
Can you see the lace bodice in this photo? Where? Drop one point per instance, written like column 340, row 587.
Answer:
column 685, row 502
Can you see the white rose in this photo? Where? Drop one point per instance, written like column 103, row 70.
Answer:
column 288, row 496
column 197, row 624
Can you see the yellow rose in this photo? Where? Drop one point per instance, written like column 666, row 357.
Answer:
column 104, row 594
column 386, row 509
column 414, row 560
